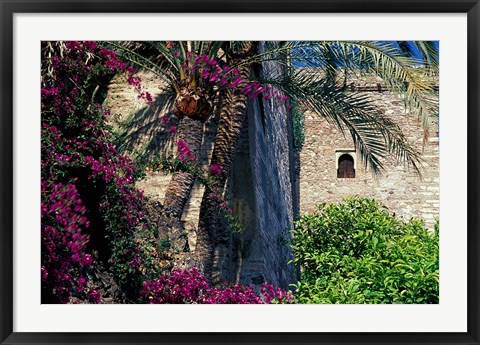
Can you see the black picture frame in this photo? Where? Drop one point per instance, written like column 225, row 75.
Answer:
column 10, row 7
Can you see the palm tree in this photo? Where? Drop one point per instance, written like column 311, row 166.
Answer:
column 191, row 96
column 317, row 86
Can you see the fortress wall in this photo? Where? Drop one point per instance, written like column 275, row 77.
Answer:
column 398, row 187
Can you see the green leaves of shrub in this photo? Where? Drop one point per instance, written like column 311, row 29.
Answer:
column 357, row 252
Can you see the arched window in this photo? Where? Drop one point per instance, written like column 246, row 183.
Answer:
column 346, row 167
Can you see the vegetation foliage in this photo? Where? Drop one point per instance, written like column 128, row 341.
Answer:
column 190, row 287
column 298, row 124
column 357, row 252
column 89, row 202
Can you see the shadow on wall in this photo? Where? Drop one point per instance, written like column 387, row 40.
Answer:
column 147, row 132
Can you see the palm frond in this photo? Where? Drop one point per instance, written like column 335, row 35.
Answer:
column 427, row 49
column 140, row 61
column 405, row 74
column 402, row 73
column 165, row 54
column 375, row 136
column 214, row 47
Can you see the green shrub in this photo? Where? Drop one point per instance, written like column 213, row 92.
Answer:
column 298, row 122
column 356, row 252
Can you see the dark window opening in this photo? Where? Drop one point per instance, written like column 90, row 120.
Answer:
column 345, row 167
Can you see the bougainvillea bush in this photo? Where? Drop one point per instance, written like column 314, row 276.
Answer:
column 190, row 287
column 356, row 252
column 89, row 203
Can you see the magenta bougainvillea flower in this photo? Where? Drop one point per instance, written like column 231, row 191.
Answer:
column 216, row 169
column 189, row 286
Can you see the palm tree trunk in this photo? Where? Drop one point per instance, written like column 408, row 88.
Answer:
column 180, row 186
column 211, row 234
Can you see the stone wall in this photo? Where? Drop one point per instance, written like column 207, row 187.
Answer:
column 264, row 187
column 398, row 187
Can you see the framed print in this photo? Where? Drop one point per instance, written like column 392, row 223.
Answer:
column 237, row 172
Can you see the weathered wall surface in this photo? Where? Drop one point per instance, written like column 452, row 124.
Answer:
column 398, row 187
column 263, row 187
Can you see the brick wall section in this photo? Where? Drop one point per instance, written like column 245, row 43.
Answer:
column 398, row 187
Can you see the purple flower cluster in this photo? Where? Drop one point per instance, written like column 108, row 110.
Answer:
column 214, row 71
column 184, row 151
column 185, row 286
column 190, row 287
column 49, row 92
column 216, row 169
column 63, row 240
column 94, row 296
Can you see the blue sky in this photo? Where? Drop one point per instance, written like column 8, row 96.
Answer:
column 416, row 53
